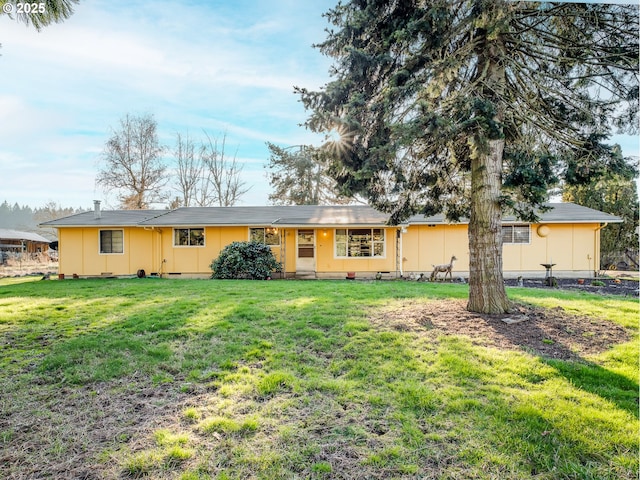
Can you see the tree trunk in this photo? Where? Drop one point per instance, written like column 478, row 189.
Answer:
column 486, row 286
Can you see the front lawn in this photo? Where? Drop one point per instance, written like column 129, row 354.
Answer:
column 179, row 379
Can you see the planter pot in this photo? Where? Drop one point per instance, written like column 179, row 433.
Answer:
column 61, row 276
column 351, row 275
column 581, row 281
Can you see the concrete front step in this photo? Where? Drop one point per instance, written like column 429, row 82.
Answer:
column 306, row 275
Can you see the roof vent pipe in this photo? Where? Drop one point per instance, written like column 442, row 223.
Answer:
column 96, row 209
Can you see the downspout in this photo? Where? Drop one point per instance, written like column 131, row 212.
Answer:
column 160, row 273
column 283, row 246
column 283, row 253
column 596, row 245
column 400, row 258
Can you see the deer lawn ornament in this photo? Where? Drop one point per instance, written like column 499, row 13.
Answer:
column 446, row 268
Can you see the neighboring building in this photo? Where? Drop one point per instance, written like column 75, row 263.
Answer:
column 14, row 241
column 318, row 241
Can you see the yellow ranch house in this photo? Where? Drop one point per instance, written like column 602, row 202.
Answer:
column 318, row 241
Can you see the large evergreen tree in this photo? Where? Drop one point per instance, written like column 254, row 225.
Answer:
column 299, row 176
column 474, row 107
column 615, row 193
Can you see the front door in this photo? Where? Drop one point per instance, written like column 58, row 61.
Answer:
column 306, row 251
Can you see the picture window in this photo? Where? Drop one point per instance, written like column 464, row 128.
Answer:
column 359, row 242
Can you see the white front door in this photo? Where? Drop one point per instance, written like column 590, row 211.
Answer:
column 306, row 251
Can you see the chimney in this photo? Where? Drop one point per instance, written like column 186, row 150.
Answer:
column 96, row 209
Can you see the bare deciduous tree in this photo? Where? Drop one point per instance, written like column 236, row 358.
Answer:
column 222, row 174
column 189, row 170
column 132, row 163
column 205, row 175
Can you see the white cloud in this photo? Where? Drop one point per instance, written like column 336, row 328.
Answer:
column 218, row 66
column 21, row 122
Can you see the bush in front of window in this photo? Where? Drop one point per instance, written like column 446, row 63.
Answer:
column 245, row 260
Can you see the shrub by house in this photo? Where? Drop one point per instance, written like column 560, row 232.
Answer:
column 245, row 260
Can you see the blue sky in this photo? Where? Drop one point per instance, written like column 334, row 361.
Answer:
column 218, row 65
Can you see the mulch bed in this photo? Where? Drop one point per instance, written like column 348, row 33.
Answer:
column 551, row 333
column 612, row 286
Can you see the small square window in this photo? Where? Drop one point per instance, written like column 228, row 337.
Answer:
column 521, row 234
column 507, row 234
column 196, row 236
column 111, row 241
column 513, row 234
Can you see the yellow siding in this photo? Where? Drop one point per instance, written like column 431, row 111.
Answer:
column 80, row 252
column 289, row 236
column 70, row 248
column 424, row 246
column 140, row 247
column 570, row 246
column 197, row 259
column 573, row 247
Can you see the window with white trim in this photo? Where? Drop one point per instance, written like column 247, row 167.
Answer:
column 188, row 237
column 111, row 241
column 267, row 235
column 516, row 234
column 359, row 242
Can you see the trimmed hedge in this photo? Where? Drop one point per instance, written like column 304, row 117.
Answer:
column 245, row 260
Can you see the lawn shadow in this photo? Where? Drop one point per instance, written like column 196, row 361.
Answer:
column 593, row 378
column 562, row 341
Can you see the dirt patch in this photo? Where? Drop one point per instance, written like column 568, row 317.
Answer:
column 59, row 432
column 551, row 333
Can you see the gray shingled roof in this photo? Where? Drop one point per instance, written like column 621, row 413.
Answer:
column 277, row 215
column 298, row 215
column 18, row 235
column 108, row 218
column 561, row 213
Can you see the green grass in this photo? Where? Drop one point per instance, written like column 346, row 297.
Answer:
column 287, row 379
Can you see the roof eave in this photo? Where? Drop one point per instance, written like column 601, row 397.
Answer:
column 540, row 222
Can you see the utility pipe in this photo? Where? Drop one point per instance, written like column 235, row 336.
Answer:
column 596, row 244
